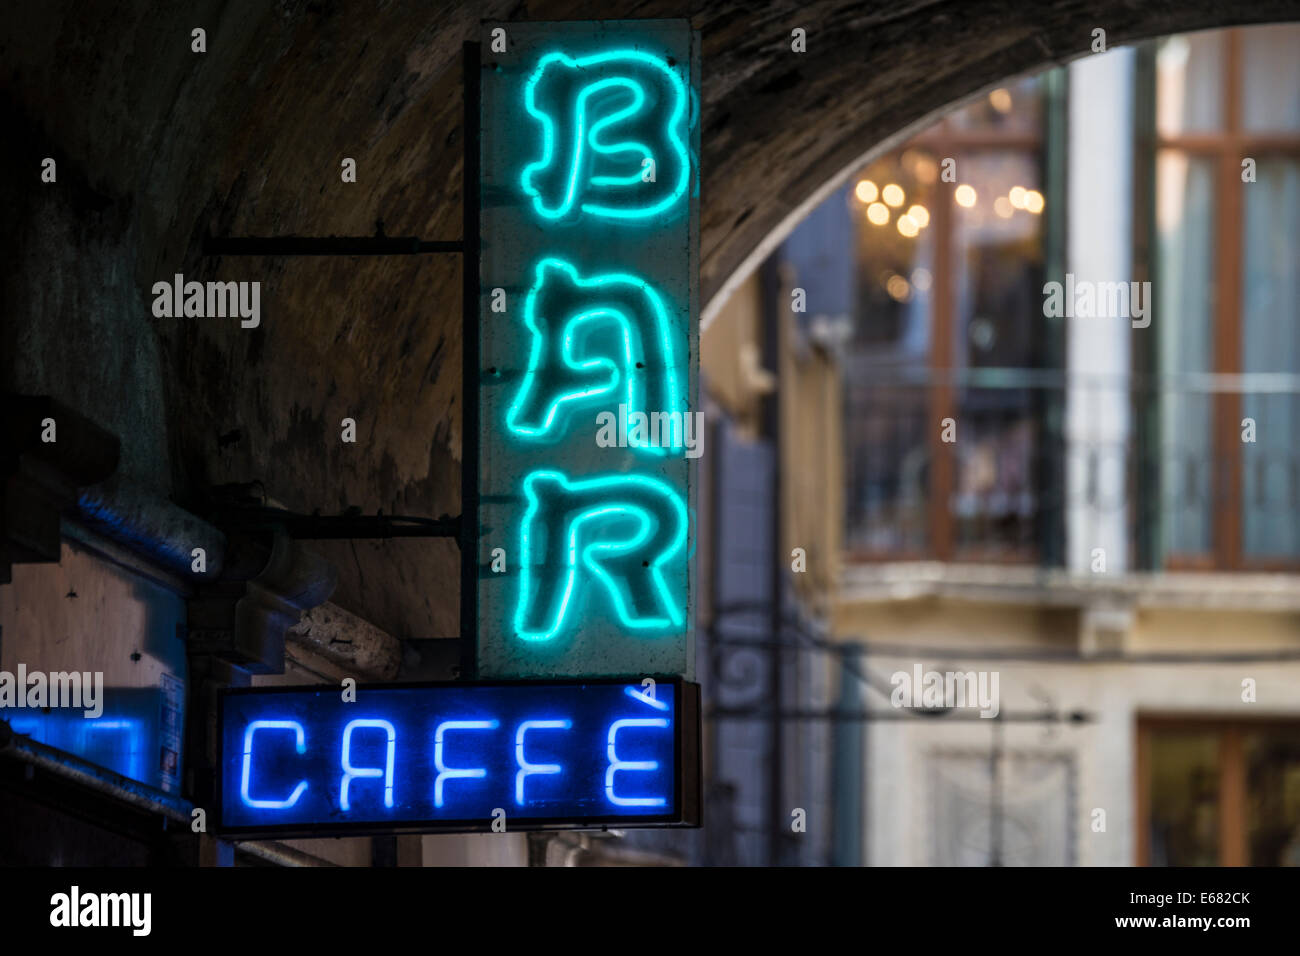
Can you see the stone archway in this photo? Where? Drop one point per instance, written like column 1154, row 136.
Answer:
column 157, row 145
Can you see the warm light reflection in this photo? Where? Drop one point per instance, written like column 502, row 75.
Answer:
column 907, row 226
column 926, row 169
column 1017, row 196
column 898, row 288
column 920, row 215
column 921, row 279
column 1000, row 100
column 866, row 190
column 893, row 195
column 1002, row 206
column 1034, row 201
column 965, row 195
column 877, row 214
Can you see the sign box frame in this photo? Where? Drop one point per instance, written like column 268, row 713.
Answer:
column 686, row 770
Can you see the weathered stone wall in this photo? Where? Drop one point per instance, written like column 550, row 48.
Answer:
column 156, row 145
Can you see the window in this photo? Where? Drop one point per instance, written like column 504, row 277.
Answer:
column 945, row 322
column 1227, row 106
column 1218, row 794
column 949, row 273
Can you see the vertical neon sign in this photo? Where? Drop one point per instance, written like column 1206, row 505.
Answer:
column 590, row 219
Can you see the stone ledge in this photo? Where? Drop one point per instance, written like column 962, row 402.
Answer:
column 1020, row 584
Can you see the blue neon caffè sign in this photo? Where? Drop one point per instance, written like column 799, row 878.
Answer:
column 458, row 756
column 589, row 348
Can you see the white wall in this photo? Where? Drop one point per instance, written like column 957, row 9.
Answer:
column 1099, row 250
column 901, row 799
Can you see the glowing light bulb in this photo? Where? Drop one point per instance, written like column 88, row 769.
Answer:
column 920, row 215
column 866, row 191
column 965, row 196
column 907, row 226
column 926, row 169
column 892, row 195
column 878, row 214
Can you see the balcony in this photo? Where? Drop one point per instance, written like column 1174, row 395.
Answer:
column 1081, row 473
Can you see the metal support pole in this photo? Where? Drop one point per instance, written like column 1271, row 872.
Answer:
column 771, row 285
column 379, row 245
column 469, row 521
column 714, row 649
column 995, row 794
column 340, row 527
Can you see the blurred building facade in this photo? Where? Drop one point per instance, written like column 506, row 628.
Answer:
column 1097, row 500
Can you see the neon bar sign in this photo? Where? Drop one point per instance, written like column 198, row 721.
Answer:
column 458, row 757
column 590, row 219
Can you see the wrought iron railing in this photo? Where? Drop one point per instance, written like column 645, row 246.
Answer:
column 1178, row 467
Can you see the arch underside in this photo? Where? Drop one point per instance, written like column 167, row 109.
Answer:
column 158, row 145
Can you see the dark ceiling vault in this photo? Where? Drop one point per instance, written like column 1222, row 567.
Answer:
column 156, row 144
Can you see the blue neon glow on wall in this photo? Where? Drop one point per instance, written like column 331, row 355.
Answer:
column 124, row 744
column 639, row 526
column 448, row 753
column 632, row 89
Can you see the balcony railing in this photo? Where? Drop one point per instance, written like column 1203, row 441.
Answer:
column 1190, row 470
